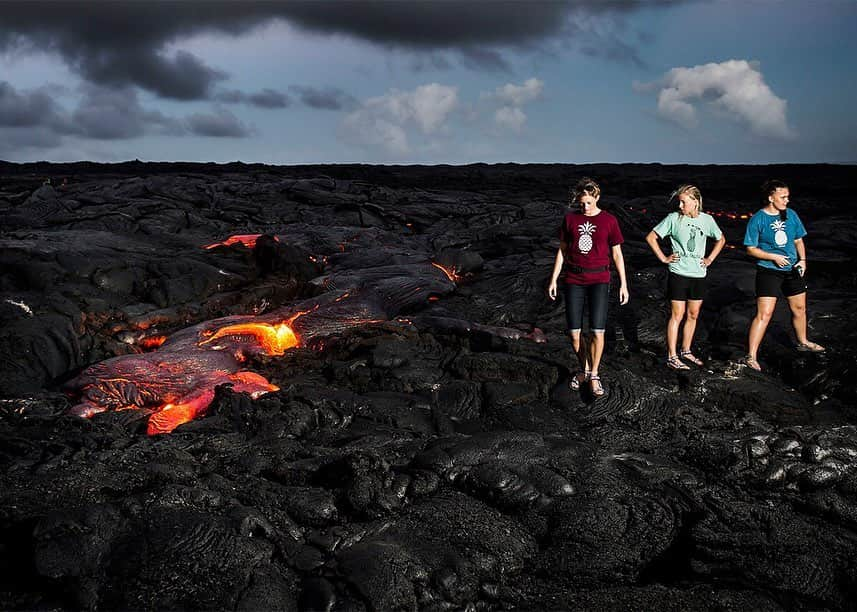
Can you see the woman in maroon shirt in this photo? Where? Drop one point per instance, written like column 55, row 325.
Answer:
column 589, row 238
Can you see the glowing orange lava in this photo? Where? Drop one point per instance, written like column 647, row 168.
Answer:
column 450, row 273
column 248, row 240
column 729, row 215
column 172, row 415
column 274, row 339
column 152, row 342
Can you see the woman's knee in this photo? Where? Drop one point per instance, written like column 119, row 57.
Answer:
column 596, row 337
column 764, row 314
column 677, row 316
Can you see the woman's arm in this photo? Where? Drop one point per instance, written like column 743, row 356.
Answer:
column 652, row 238
column 619, row 260
column 801, row 253
column 718, row 246
column 557, row 267
column 781, row 260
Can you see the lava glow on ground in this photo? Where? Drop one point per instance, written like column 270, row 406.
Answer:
column 178, row 381
column 272, row 339
column 171, row 415
column 248, row 240
column 177, row 377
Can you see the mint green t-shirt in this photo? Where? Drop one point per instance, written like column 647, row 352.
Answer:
column 688, row 237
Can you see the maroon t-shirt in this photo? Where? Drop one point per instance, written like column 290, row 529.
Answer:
column 588, row 241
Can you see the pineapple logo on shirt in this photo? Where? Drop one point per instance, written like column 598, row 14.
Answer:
column 691, row 243
column 780, row 237
column 584, row 243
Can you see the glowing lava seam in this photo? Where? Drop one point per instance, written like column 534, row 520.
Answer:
column 450, row 274
column 274, row 339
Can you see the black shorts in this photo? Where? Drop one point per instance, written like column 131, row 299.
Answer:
column 773, row 283
column 683, row 288
column 596, row 295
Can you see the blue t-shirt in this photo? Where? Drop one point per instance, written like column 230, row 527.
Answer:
column 775, row 236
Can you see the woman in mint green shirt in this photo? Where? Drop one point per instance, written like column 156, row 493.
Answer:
column 688, row 229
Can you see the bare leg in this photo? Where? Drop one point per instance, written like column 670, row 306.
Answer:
column 596, row 349
column 579, row 345
column 693, row 308
column 764, row 311
column 797, row 304
column 677, row 309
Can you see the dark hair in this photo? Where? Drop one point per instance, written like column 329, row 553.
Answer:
column 768, row 189
column 585, row 186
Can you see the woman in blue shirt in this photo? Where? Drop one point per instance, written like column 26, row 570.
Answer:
column 775, row 238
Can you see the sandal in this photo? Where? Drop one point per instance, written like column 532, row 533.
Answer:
column 689, row 356
column 597, row 387
column 574, row 383
column 810, row 347
column 676, row 364
column 752, row 363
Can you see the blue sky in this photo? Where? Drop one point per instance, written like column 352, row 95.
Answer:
column 694, row 81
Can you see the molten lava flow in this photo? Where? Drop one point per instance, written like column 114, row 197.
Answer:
column 194, row 405
column 450, row 273
column 177, row 382
column 248, row 240
column 152, row 342
column 273, row 339
column 729, row 215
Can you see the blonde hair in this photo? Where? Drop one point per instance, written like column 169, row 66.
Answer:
column 585, row 186
column 691, row 190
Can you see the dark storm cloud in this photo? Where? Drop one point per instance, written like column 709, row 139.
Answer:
column 26, row 109
column 182, row 77
column 120, row 43
column 432, row 24
column 267, row 98
column 326, row 98
column 32, row 119
column 610, row 39
column 480, row 58
column 111, row 114
column 15, row 139
column 219, row 124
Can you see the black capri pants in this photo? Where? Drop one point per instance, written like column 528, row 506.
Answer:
column 596, row 296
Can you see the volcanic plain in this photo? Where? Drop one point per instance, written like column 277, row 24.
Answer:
column 250, row 387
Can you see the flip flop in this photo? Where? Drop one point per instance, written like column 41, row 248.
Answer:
column 689, row 356
column 810, row 347
column 676, row 364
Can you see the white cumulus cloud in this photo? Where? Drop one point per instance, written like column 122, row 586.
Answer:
column 518, row 95
column 383, row 121
column 513, row 98
column 510, row 117
column 735, row 86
